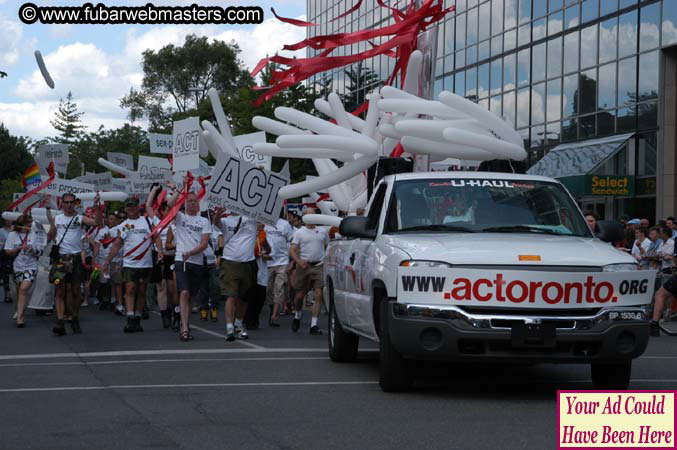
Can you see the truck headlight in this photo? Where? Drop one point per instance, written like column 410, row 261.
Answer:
column 623, row 267
column 422, row 263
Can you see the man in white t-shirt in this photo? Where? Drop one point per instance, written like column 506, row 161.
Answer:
column 640, row 248
column 191, row 234
column 307, row 250
column 67, row 271
column 236, row 277
column 279, row 238
column 137, row 261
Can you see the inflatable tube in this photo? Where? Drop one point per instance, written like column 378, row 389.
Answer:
column 211, row 144
column 274, row 127
column 349, row 145
column 14, row 216
column 43, row 69
column 310, row 122
column 328, row 208
column 413, row 73
column 320, row 183
column 388, row 130
column 322, row 219
column 340, row 114
column 112, row 196
column 426, row 129
column 428, row 107
column 339, row 192
column 324, row 107
column 221, row 119
column 484, row 116
column 302, row 153
column 502, row 149
column 393, row 92
column 447, row 149
column 369, row 129
column 114, row 167
column 223, row 144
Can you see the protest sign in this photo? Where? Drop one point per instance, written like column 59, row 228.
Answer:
column 243, row 188
column 161, row 143
column 57, row 153
column 141, row 183
column 60, row 187
column 121, row 159
column 245, row 148
column 121, row 184
column 101, row 181
column 186, row 138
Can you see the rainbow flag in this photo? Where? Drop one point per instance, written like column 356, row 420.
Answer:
column 31, row 176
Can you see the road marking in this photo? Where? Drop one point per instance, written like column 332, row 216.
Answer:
column 205, row 385
column 146, row 361
column 197, row 351
column 223, row 336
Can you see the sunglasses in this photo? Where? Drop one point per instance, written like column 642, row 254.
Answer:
column 67, row 202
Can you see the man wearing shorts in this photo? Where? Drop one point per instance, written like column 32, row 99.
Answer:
column 192, row 236
column 307, row 250
column 236, row 268
column 278, row 238
column 67, row 271
column 137, row 262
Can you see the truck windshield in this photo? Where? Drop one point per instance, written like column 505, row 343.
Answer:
column 483, row 205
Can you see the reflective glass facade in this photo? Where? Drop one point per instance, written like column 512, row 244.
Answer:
column 557, row 70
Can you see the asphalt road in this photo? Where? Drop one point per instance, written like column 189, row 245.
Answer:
column 279, row 390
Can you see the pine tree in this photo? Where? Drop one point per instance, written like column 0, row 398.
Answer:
column 67, row 120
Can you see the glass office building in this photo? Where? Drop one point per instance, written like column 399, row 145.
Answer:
column 567, row 74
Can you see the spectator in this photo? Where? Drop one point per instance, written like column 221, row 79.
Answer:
column 591, row 220
column 644, row 223
column 670, row 223
column 633, row 224
column 666, row 251
column 640, row 248
column 652, row 252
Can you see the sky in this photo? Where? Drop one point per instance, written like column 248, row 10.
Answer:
column 100, row 63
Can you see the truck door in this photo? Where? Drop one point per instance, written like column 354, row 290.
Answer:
column 359, row 268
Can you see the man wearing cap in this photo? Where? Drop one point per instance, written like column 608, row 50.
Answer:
column 633, row 224
column 137, row 262
column 67, row 271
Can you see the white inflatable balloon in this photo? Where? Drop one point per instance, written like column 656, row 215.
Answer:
column 112, row 196
column 222, row 143
column 325, row 108
column 114, row 167
column 274, row 150
column 43, row 69
column 341, row 143
column 322, row 219
column 274, row 127
column 411, row 81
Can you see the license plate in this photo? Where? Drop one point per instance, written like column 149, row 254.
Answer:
column 533, row 335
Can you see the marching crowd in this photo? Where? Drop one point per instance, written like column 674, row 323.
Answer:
column 194, row 260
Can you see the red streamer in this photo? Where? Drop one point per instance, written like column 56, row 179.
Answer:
column 40, row 187
column 350, row 11
column 298, row 23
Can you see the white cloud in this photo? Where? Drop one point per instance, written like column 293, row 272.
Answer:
column 12, row 33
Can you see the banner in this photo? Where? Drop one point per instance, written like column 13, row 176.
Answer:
column 101, row 181
column 57, row 153
column 140, row 183
column 243, row 188
column 523, row 288
column 161, row 143
column 121, row 159
column 186, row 138
column 60, row 187
column 245, row 148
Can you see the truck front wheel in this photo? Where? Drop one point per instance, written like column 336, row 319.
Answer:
column 611, row 376
column 394, row 371
column 342, row 344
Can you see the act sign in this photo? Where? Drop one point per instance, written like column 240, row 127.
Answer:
column 245, row 189
column 186, row 137
column 245, row 148
column 160, row 143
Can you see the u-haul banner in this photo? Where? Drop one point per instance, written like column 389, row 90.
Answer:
column 523, row 289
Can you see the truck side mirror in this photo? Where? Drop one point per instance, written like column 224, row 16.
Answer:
column 356, row 227
column 609, row 231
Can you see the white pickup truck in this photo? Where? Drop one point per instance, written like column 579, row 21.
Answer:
column 484, row 267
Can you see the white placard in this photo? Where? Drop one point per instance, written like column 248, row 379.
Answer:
column 243, row 188
column 101, row 181
column 121, row 159
column 161, row 143
column 58, row 153
column 523, row 289
column 121, row 185
column 150, row 167
column 245, row 148
column 59, row 187
column 141, row 183
column 186, row 138
column 36, row 201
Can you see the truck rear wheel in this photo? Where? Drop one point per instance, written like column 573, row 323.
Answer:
column 611, row 376
column 394, row 371
column 342, row 344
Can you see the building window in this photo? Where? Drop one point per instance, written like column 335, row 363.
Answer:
column 649, row 26
column 669, row 26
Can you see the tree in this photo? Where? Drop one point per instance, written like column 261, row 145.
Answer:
column 176, row 79
column 67, row 120
column 17, row 160
column 362, row 80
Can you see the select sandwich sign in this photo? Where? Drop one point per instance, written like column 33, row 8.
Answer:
column 600, row 185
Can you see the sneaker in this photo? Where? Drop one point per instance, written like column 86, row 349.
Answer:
column 230, row 337
column 119, row 310
column 130, row 327
column 176, row 320
column 316, row 331
column 654, row 329
column 75, row 325
column 214, row 314
column 84, row 303
column 203, row 315
column 243, row 333
column 166, row 318
column 295, row 325
column 15, row 315
column 137, row 324
column 59, row 329
column 94, row 300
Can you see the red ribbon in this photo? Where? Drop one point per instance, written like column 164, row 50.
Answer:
column 298, row 23
column 355, row 7
column 397, row 151
column 408, row 25
column 41, row 186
